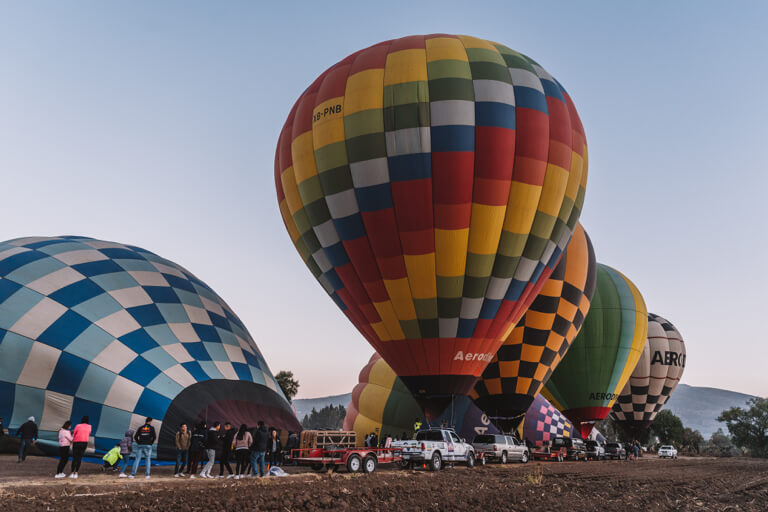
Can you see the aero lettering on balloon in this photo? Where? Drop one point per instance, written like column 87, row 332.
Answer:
column 431, row 183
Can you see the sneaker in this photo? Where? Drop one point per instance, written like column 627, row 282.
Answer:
column 122, row 475
column 130, row 476
column 74, row 475
column 191, row 476
column 146, row 477
column 59, row 475
column 220, row 476
column 230, row 476
column 175, row 475
column 181, row 474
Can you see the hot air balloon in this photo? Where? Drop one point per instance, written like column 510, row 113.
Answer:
column 601, row 358
column 430, row 184
column 541, row 338
column 655, row 377
column 543, row 422
column 382, row 403
column 118, row 333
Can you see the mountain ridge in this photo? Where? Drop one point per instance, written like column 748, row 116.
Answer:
column 697, row 406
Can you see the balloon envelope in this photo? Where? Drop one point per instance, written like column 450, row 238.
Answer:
column 601, row 358
column 542, row 337
column 655, row 377
column 544, row 422
column 430, row 183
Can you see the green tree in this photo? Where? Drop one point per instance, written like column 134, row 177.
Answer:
column 719, row 445
column 328, row 418
column 668, row 428
column 692, row 440
column 288, row 384
column 749, row 427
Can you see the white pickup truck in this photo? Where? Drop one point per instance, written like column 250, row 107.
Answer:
column 435, row 447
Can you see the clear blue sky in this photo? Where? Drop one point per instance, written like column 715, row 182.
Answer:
column 154, row 123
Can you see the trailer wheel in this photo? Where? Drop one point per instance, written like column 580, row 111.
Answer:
column 369, row 464
column 404, row 464
column 471, row 460
column 354, row 463
column 436, row 462
column 317, row 467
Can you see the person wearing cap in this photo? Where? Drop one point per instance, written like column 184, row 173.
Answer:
column 28, row 434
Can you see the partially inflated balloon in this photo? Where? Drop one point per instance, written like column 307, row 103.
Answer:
column 604, row 353
column 381, row 403
column 430, row 184
column 655, row 376
column 544, row 422
column 539, row 341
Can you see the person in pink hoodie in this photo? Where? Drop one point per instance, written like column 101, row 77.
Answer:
column 65, row 441
column 79, row 443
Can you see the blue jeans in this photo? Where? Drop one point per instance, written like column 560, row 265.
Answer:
column 182, row 459
column 124, row 463
column 142, row 450
column 257, row 458
column 23, row 447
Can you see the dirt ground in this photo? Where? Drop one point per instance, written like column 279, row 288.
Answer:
column 647, row 484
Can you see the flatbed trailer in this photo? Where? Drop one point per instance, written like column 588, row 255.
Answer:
column 354, row 459
column 546, row 453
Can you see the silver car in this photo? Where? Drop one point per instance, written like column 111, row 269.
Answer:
column 500, row 447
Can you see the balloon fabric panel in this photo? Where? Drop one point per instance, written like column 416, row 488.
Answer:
column 430, row 183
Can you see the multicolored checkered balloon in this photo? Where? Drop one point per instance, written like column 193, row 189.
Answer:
column 117, row 333
column 430, row 184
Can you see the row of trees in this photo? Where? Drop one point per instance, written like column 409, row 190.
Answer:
column 747, row 432
column 329, row 417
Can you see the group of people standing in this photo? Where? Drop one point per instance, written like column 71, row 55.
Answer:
column 252, row 449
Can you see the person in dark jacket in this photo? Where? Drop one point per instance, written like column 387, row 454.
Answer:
column 126, row 449
column 290, row 445
column 225, row 438
column 274, row 448
column 145, row 437
column 2, row 430
column 197, row 448
column 259, row 448
column 212, row 444
column 28, row 434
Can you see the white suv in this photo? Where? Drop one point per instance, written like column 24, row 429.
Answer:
column 500, row 447
column 667, row 451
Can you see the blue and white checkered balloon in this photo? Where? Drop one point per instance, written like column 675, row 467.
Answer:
column 111, row 331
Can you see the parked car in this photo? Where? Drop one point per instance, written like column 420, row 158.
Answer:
column 576, row 450
column 595, row 450
column 435, row 446
column 615, row 451
column 501, row 447
column 667, row 451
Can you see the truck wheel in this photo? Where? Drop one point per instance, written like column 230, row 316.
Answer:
column 436, row 462
column 471, row 460
column 504, row 457
column 354, row 463
column 369, row 464
column 524, row 457
column 404, row 464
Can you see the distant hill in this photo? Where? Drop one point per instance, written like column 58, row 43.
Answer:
column 304, row 405
column 698, row 407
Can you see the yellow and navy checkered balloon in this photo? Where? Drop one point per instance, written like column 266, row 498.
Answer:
column 430, row 184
